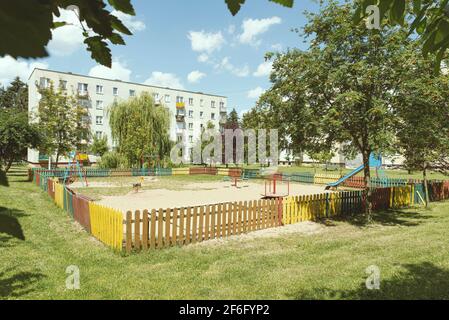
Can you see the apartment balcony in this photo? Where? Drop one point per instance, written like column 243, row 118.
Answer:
column 180, row 105
column 180, row 131
column 83, row 94
column 180, row 118
column 223, row 110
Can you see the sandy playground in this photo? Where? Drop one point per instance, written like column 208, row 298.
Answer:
column 196, row 194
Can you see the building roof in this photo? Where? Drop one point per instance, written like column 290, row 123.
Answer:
column 126, row 82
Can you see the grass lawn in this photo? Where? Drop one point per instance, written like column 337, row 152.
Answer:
column 38, row 242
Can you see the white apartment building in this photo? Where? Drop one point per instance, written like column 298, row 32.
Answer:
column 189, row 111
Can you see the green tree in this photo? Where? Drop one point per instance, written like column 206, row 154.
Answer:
column 16, row 135
column 15, row 96
column 232, row 120
column 99, row 146
column 340, row 90
column 422, row 108
column 140, row 129
column 63, row 122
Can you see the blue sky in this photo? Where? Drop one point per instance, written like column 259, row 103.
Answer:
column 196, row 44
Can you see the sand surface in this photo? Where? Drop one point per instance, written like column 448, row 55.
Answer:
column 196, row 194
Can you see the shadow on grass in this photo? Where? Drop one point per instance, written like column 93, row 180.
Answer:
column 386, row 218
column 422, row 281
column 10, row 226
column 3, row 179
column 18, row 284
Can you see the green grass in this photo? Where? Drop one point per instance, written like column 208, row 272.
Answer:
column 38, row 241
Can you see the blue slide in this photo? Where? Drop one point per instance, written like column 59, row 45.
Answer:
column 374, row 161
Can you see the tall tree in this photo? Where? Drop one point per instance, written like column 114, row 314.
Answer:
column 140, row 129
column 232, row 120
column 64, row 122
column 16, row 135
column 99, row 146
column 422, row 107
column 339, row 91
column 15, row 96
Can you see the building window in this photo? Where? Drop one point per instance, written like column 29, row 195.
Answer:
column 201, row 103
column 44, row 83
column 179, row 99
column 212, row 116
column 115, row 91
column 190, row 101
column 190, row 126
column 99, row 89
column 179, row 138
column 99, row 120
column 84, row 103
column 167, row 98
column 99, row 134
column 63, row 84
column 99, row 105
column 222, row 105
column 132, row 93
column 212, row 104
column 190, row 138
column 201, row 127
column 82, row 88
column 190, row 113
column 201, row 114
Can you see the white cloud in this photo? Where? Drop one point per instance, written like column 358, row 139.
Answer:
column 203, row 57
column 226, row 64
column 195, row 76
column 129, row 21
column 66, row 39
column 118, row 71
column 255, row 93
column 255, row 27
column 162, row 79
column 11, row 68
column 202, row 41
column 264, row 69
column 277, row 47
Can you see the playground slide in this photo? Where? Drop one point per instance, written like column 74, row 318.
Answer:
column 346, row 177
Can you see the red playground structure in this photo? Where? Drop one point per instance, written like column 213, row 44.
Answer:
column 276, row 187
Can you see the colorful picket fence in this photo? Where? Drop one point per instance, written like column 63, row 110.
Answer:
column 326, row 178
column 303, row 177
column 106, row 225
column 182, row 226
column 103, row 223
column 309, row 208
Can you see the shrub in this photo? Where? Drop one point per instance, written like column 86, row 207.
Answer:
column 113, row 160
